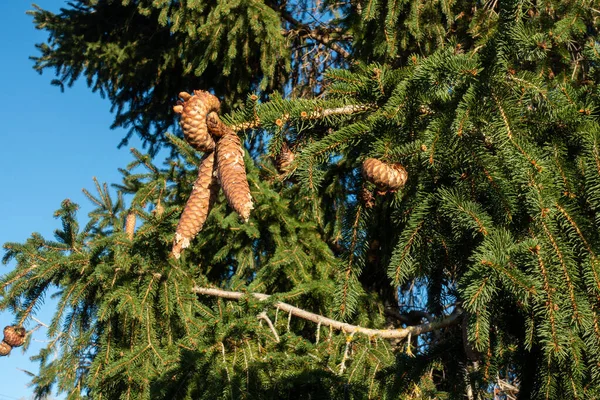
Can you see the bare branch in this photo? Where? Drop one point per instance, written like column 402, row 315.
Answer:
column 320, row 35
column 401, row 333
column 263, row 315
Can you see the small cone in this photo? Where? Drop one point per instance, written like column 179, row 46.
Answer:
column 384, row 176
column 130, row 225
column 198, row 205
column 284, row 159
column 5, row 349
column 194, row 111
column 158, row 210
column 366, row 197
column 232, row 174
column 14, row 335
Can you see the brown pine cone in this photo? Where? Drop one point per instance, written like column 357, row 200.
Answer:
column 232, row 174
column 198, row 205
column 216, row 127
column 130, row 225
column 14, row 335
column 385, row 176
column 5, row 349
column 194, row 111
column 284, row 159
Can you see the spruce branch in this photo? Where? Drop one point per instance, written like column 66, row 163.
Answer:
column 217, row 126
column 400, row 333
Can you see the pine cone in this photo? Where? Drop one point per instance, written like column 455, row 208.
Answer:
column 232, row 174
column 5, row 349
column 14, row 335
column 216, row 127
column 130, row 225
column 284, row 159
column 198, row 205
column 194, row 111
column 384, row 176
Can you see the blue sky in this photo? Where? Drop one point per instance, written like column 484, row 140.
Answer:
column 52, row 145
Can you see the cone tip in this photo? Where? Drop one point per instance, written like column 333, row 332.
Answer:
column 185, row 96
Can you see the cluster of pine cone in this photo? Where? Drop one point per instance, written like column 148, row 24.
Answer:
column 14, row 336
column 223, row 163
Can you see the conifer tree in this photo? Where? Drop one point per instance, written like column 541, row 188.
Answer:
column 425, row 214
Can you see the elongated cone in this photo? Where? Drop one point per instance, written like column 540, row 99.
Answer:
column 5, row 349
column 130, row 225
column 14, row 335
column 284, row 159
column 232, row 174
column 384, row 176
column 193, row 112
column 198, row 205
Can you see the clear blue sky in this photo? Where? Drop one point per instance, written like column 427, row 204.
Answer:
column 52, row 145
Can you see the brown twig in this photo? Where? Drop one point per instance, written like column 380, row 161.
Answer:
column 401, row 333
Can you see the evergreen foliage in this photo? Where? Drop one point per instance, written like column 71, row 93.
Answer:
column 489, row 252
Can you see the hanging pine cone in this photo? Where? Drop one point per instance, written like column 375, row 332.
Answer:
column 232, row 174
column 384, row 176
column 284, row 159
column 5, row 349
column 14, row 335
column 194, row 110
column 130, row 225
column 198, row 205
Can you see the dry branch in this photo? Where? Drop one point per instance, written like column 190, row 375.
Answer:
column 400, row 333
column 323, row 36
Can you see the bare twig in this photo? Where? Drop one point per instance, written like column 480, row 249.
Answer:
column 318, row 333
column 401, row 333
column 263, row 315
column 320, row 35
column 346, row 352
